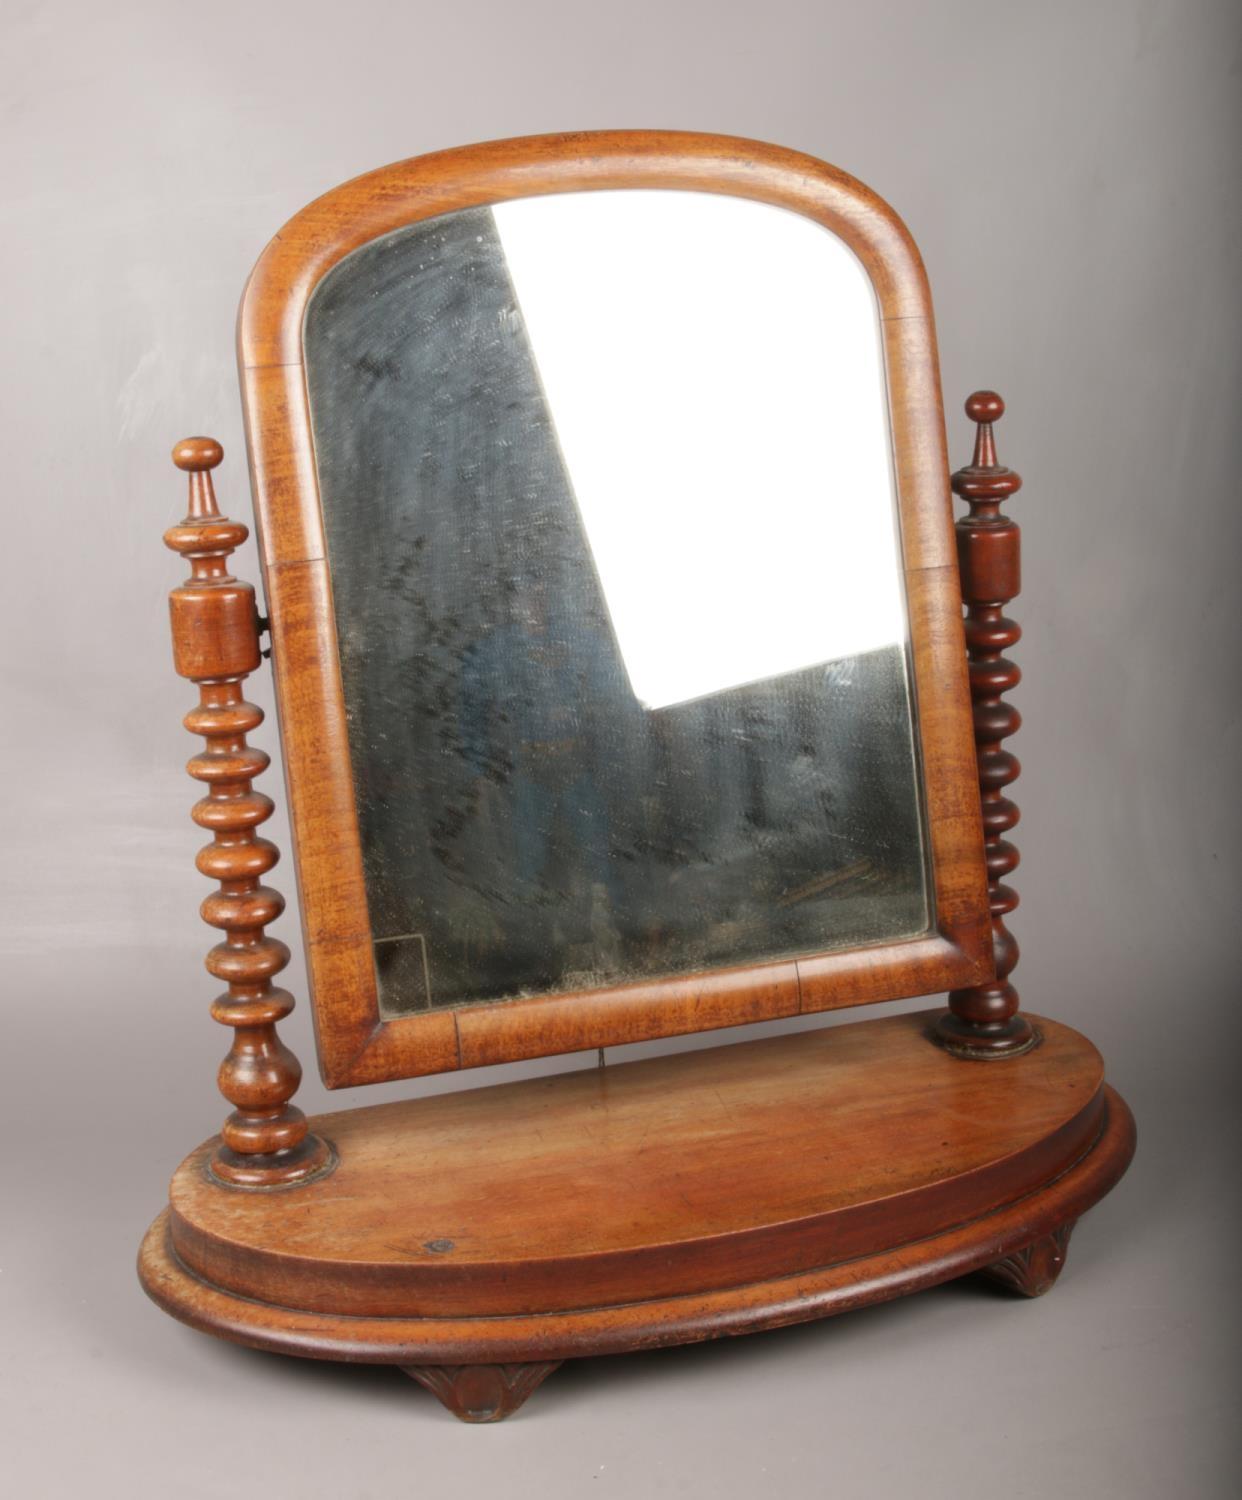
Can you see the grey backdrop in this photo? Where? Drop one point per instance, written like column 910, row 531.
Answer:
column 1070, row 173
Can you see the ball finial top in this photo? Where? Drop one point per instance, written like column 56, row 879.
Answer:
column 984, row 406
column 196, row 455
column 985, row 481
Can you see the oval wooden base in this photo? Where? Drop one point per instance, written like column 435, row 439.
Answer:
column 709, row 1193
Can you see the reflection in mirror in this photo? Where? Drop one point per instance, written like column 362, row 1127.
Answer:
column 607, row 492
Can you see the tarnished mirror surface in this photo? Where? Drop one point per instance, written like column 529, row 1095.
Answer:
column 606, row 483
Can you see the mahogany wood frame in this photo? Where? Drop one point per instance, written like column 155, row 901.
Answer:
column 355, row 1044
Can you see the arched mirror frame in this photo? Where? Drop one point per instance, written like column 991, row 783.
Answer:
column 355, row 1044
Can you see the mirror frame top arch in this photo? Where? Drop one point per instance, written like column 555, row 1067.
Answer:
column 355, row 1044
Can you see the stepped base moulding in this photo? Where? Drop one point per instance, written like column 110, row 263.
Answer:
column 479, row 1238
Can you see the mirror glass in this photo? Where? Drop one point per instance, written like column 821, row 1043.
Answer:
column 607, row 487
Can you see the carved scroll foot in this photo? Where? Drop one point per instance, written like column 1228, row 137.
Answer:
column 482, row 1393
column 1033, row 1270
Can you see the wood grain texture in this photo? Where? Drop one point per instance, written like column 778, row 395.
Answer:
column 983, row 1021
column 265, row 1141
column 354, row 1044
column 660, row 1178
column 1033, row 1270
column 646, row 1240
column 478, row 1238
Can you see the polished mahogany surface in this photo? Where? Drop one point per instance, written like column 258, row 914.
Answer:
column 552, row 957
column 706, row 1168
column 478, row 1238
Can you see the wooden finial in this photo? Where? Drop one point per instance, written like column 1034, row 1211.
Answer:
column 984, row 407
column 195, row 453
column 197, row 456
column 204, row 537
column 265, row 1142
column 983, row 1021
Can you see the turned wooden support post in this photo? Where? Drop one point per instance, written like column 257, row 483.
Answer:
column 983, row 1021
column 215, row 630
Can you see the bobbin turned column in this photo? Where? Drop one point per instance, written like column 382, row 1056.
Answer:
column 215, row 628
column 983, row 1021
